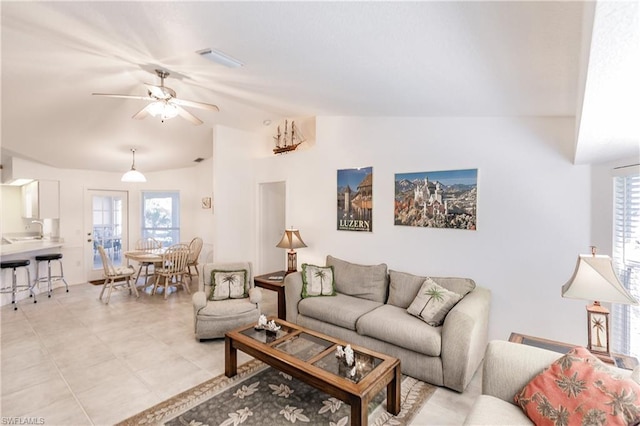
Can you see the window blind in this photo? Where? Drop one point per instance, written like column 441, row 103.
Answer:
column 625, row 333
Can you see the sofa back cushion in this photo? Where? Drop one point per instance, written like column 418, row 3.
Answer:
column 404, row 287
column 363, row 281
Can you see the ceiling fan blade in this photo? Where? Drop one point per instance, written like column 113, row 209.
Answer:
column 144, row 98
column 160, row 92
column 195, row 104
column 188, row 116
column 142, row 114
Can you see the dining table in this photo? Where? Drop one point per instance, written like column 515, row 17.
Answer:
column 154, row 256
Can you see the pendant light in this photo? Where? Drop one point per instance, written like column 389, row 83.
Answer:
column 133, row 175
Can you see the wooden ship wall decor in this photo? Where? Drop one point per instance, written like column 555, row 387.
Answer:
column 290, row 140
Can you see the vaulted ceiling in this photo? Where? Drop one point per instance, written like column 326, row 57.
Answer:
column 305, row 59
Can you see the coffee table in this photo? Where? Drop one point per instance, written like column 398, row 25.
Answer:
column 309, row 356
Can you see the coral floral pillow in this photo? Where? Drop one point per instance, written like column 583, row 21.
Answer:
column 579, row 389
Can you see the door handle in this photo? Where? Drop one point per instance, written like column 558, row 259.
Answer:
column 89, row 240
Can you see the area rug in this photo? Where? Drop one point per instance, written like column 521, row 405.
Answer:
column 261, row 395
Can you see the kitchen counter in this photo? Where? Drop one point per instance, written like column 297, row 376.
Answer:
column 28, row 247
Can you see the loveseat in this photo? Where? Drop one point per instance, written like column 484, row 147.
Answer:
column 507, row 368
column 369, row 309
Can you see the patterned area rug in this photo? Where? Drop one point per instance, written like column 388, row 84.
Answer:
column 261, row 395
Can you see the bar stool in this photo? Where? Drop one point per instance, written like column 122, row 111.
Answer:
column 13, row 289
column 50, row 278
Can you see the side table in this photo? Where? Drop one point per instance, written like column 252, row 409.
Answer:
column 274, row 281
column 622, row 361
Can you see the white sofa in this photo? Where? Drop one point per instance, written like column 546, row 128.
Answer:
column 507, row 368
column 370, row 310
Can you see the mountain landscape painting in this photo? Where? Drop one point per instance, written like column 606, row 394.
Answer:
column 441, row 199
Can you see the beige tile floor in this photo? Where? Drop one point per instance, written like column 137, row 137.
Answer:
column 72, row 360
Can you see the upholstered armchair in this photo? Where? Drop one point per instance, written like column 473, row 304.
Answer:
column 213, row 318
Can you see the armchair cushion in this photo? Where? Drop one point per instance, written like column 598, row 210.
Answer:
column 578, row 388
column 433, row 303
column 317, row 281
column 228, row 284
column 227, row 308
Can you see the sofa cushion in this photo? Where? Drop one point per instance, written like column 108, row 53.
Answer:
column 363, row 281
column 228, row 284
column 340, row 310
column 433, row 303
column 403, row 287
column 578, row 388
column 394, row 325
column 227, row 308
column 317, row 281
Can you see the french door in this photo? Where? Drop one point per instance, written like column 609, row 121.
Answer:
column 106, row 218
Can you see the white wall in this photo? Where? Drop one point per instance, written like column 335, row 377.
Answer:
column 235, row 194
column 533, row 208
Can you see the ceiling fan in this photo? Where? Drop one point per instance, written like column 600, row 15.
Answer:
column 164, row 102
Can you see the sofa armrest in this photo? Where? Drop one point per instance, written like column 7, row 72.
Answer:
column 464, row 338
column 199, row 300
column 293, row 295
column 509, row 366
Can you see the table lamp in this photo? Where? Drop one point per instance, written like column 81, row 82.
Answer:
column 595, row 279
column 291, row 240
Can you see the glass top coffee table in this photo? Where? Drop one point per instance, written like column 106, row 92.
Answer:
column 310, row 356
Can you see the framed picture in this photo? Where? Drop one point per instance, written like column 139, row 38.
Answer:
column 355, row 199
column 441, row 199
column 206, row 202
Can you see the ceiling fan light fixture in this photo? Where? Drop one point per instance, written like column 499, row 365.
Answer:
column 219, row 57
column 163, row 109
column 133, row 175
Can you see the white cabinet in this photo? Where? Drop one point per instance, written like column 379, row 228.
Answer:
column 41, row 200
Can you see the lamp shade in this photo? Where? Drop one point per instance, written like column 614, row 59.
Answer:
column 133, row 175
column 595, row 279
column 291, row 240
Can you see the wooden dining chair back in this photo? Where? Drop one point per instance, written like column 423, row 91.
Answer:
column 173, row 268
column 113, row 275
column 146, row 244
column 195, row 247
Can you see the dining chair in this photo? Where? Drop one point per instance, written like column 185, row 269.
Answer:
column 113, row 273
column 195, row 247
column 146, row 244
column 173, row 268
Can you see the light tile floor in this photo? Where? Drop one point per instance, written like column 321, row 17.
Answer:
column 72, row 360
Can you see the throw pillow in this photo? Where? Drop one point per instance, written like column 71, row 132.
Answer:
column 317, row 281
column 228, row 284
column 433, row 303
column 578, row 389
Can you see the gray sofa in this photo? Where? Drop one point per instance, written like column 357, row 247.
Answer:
column 507, row 368
column 370, row 310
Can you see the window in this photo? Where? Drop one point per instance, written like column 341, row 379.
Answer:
column 626, row 256
column 161, row 216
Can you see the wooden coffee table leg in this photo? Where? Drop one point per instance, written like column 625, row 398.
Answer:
column 394, row 391
column 230, row 358
column 359, row 412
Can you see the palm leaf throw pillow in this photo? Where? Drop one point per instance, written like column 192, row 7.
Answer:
column 317, row 281
column 579, row 389
column 433, row 303
column 228, row 284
